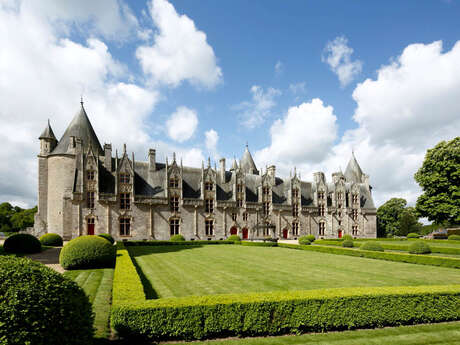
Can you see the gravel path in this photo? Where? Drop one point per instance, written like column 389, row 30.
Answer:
column 49, row 257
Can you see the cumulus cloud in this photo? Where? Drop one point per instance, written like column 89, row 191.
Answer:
column 337, row 54
column 182, row 124
column 253, row 113
column 180, row 51
column 279, row 68
column 211, row 138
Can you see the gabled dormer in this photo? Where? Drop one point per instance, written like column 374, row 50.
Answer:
column 174, row 178
column 208, row 187
column 125, row 181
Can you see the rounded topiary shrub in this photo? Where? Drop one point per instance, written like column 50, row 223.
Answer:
column 347, row 237
column 347, row 244
column 304, row 240
column 22, row 243
column 454, row 237
column 234, row 238
column 374, row 246
column 40, row 306
column 177, row 238
column 87, row 252
column 51, row 239
column 107, row 237
column 311, row 238
column 413, row 235
column 419, row 247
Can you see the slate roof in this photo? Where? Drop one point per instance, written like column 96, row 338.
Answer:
column 48, row 133
column 353, row 171
column 247, row 163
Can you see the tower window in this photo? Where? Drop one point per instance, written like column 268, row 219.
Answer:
column 208, row 185
column 90, row 175
column 125, row 226
column 209, row 205
column 174, row 203
column 90, row 200
column 266, row 190
column 209, row 227
column 174, row 182
column 340, row 195
column 125, row 201
column 320, row 195
column 295, row 193
column 124, row 178
column 174, row 226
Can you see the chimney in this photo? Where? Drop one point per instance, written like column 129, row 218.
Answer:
column 222, row 169
column 152, row 160
column 108, row 156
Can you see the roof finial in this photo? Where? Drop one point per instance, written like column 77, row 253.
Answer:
column 209, row 162
column 174, row 156
column 247, row 145
column 48, row 122
column 81, row 100
column 124, row 148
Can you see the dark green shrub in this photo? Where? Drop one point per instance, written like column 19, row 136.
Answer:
column 40, row 306
column 304, row 240
column 259, row 244
column 374, row 246
column 347, row 237
column 347, row 244
column 419, row 247
column 412, row 235
column 107, row 237
column 454, row 237
column 87, row 252
column 177, row 238
column 22, row 243
column 169, row 243
column 234, row 238
column 53, row 240
column 311, row 238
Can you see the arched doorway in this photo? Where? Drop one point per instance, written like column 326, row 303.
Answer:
column 340, row 233
column 285, row 233
column 245, row 233
column 233, row 230
column 90, row 228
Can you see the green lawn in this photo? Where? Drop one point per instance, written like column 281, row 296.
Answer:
column 452, row 244
column 176, row 271
column 97, row 284
column 442, row 333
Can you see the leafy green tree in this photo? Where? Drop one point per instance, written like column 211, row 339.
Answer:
column 6, row 212
column 388, row 217
column 23, row 219
column 439, row 178
column 408, row 222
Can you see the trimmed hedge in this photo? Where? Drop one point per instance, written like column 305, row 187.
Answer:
column 234, row 238
column 454, row 238
column 419, row 247
column 51, row 239
column 107, row 237
column 305, row 240
column 40, row 306
column 374, row 246
column 347, row 237
column 22, row 244
column 399, row 257
column 347, row 244
column 412, row 235
column 177, row 238
column 259, row 244
column 87, row 252
column 170, row 243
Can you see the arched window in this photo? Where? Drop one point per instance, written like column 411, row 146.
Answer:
column 174, row 226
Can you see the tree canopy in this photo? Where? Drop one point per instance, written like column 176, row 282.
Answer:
column 439, row 178
column 388, row 217
column 14, row 218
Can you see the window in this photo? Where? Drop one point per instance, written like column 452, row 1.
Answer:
column 174, row 182
column 321, row 210
column 340, row 214
column 354, row 215
column 340, row 222
column 209, row 227
column 322, row 227
column 239, row 188
column 209, row 205
column 125, row 201
column 354, row 230
column 295, row 193
column 90, row 200
column 266, row 209
column 208, row 185
column 90, row 175
column 321, row 195
column 174, row 226
column 339, row 206
column 234, row 216
column 125, row 226
column 355, row 198
column 295, row 210
column 295, row 229
column 245, row 216
column 266, row 190
column 124, row 178
column 239, row 203
column 267, row 229
column 174, row 203
column 339, row 195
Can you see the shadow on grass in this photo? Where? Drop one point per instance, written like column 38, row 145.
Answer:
column 149, row 291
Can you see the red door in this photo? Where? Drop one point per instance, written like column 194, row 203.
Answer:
column 233, row 231
column 90, row 226
column 245, row 234
column 340, row 233
column 285, row 233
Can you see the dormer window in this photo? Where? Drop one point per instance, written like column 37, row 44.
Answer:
column 266, row 208
column 209, row 205
column 124, row 178
column 208, row 185
column 295, row 193
column 239, row 188
column 239, row 203
column 90, row 175
column 295, row 228
column 340, row 195
column 173, row 182
column 125, row 201
column 321, row 195
column 321, row 210
column 354, row 215
column 266, row 190
column 295, row 210
column 174, row 203
column 355, row 198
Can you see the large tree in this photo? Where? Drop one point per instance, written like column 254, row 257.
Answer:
column 388, row 217
column 408, row 222
column 439, row 178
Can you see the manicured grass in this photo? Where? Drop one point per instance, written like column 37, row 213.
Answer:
column 438, row 243
column 176, row 271
column 97, row 284
column 442, row 333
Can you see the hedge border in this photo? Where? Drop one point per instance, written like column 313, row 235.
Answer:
column 172, row 243
column 398, row 257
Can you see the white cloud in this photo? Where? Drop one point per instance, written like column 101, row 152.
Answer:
column 306, row 132
column 338, row 56
column 180, row 51
column 211, row 140
column 298, row 88
column 182, row 124
column 255, row 112
column 279, row 68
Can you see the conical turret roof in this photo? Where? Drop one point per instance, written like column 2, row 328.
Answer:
column 80, row 127
column 247, row 163
column 353, row 173
column 48, row 133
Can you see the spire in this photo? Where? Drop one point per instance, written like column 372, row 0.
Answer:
column 80, row 127
column 353, row 172
column 247, row 164
column 234, row 165
column 47, row 133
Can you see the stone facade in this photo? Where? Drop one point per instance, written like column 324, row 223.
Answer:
column 84, row 189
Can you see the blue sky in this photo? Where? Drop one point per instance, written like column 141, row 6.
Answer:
column 302, row 82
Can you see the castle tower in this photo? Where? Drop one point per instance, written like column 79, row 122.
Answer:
column 247, row 164
column 353, row 173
